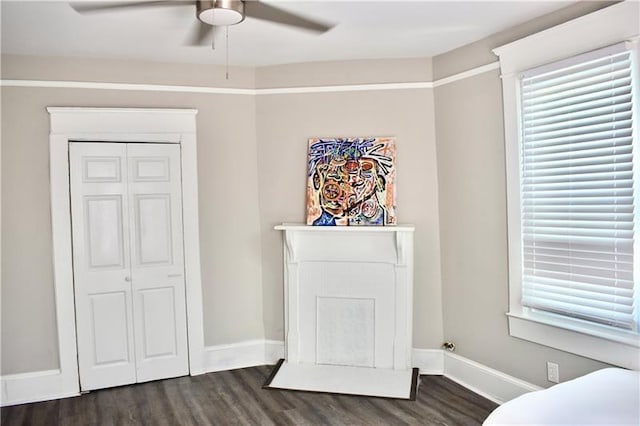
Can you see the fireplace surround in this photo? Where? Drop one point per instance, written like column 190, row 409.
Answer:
column 348, row 310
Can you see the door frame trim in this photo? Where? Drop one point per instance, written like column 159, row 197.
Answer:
column 139, row 125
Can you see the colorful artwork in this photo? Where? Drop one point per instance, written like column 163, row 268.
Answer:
column 351, row 181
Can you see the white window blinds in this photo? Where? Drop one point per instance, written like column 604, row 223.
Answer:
column 577, row 188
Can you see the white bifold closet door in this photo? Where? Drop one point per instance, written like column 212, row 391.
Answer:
column 128, row 262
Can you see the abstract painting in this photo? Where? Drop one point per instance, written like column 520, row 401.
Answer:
column 351, row 181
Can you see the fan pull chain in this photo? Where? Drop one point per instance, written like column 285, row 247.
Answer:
column 213, row 39
column 227, row 51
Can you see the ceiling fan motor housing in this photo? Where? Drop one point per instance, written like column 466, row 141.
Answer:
column 220, row 12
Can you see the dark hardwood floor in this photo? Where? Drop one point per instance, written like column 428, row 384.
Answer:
column 236, row 397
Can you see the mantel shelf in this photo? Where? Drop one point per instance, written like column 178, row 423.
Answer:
column 309, row 228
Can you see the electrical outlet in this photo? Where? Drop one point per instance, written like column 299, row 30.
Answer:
column 553, row 372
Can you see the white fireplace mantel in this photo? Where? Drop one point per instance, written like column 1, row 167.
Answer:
column 296, row 237
column 348, row 309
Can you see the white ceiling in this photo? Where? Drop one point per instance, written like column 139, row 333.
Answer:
column 364, row 29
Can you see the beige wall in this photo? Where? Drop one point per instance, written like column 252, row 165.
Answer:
column 122, row 71
column 328, row 73
column 473, row 221
column 228, row 210
column 286, row 122
column 29, row 337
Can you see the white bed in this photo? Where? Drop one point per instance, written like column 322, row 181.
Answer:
column 605, row 397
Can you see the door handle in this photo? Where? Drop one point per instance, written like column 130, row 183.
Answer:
column 127, row 279
column 174, row 275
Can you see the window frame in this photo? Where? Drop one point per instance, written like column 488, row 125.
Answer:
column 587, row 33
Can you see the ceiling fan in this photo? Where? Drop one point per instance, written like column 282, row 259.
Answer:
column 213, row 13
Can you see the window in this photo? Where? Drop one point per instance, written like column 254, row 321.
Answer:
column 577, row 188
column 573, row 185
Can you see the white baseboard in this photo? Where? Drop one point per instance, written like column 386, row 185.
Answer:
column 492, row 384
column 429, row 361
column 33, row 387
column 236, row 355
column 242, row 355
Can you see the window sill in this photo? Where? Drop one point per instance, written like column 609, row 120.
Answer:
column 621, row 349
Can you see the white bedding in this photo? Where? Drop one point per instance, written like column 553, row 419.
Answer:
column 605, row 397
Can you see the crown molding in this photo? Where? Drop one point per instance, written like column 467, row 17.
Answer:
column 96, row 85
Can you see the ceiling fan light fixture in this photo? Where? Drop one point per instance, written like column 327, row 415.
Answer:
column 221, row 12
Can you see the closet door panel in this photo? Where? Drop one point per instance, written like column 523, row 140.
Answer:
column 154, row 241
column 157, row 261
column 102, row 271
column 110, row 327
column 159, row 322
column 105, row 245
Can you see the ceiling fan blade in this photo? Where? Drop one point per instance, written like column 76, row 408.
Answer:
column 200, row 34
column 100, row 6
column 265, row 12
